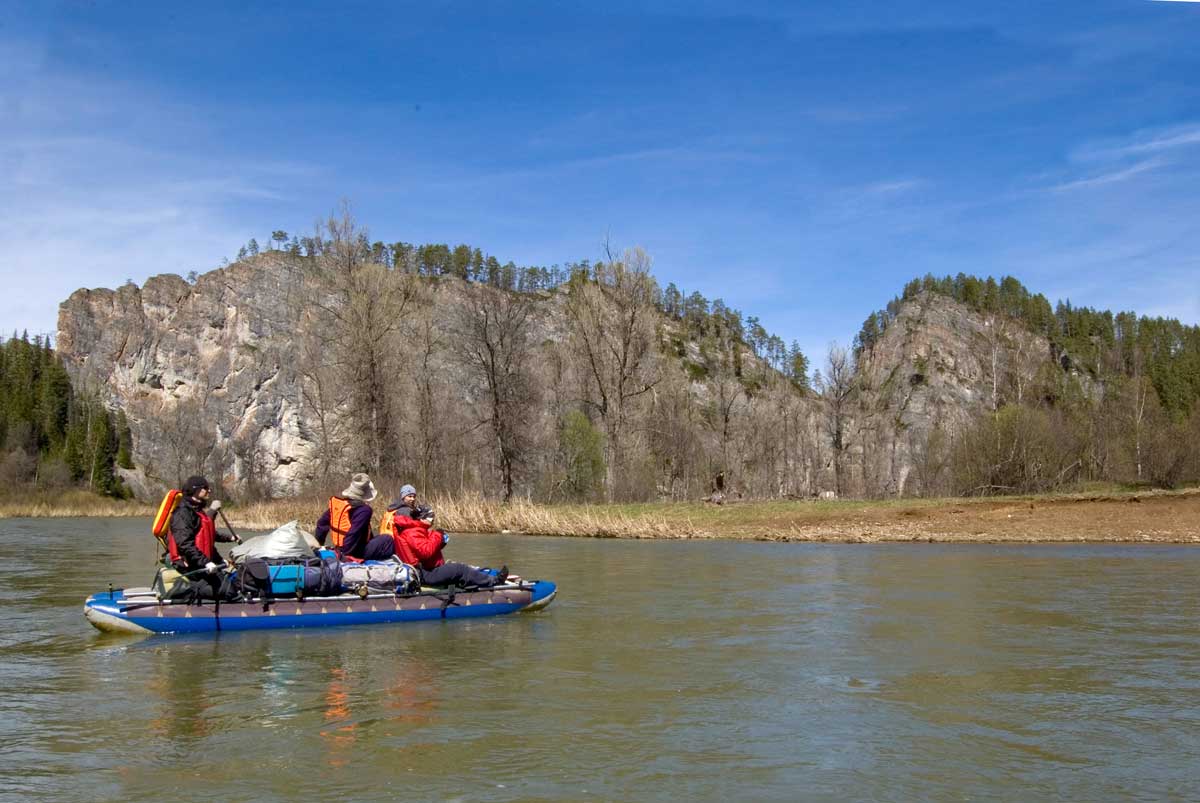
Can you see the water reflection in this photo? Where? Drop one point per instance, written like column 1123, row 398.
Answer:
column 177, row 685
column 339, row 730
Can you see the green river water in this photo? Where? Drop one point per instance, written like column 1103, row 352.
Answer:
column 664, row 671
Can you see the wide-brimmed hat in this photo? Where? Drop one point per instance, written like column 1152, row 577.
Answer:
column 360, row 488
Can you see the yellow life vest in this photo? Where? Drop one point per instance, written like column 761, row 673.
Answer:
column 162, row 519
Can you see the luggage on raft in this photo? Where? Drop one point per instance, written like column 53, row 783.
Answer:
column 323, row 575
column 290, row 577
column 172, row 586
column 320, row 576
column 286, row 578
column 385, row 575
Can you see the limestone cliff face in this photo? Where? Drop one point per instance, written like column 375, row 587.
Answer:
column 937, row 366
column 195, row 368
column 212, row 374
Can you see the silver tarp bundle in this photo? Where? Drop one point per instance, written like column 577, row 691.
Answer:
column 288, row 541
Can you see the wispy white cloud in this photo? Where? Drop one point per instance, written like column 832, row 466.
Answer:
column 683, row 153
column 556, row 168
column 95, row 188
column 1111, row 177
column 894, row 204
column 1142, row 142
column 891, row 187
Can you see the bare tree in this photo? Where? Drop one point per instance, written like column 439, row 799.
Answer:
column 674, row 437
column 930, row 457
column 836, row 387
column 493, row 341
column 1135, row 400
column 1024, row 362
column 359, row 306
column 184, row 435
column 325, row 399
column 612, row 323
column 727, row 396
column 995, row 338
column 427, row 436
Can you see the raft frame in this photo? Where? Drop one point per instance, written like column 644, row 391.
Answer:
column 138, row 610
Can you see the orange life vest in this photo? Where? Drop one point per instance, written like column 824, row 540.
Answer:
column 339, row 521
column 388, row 525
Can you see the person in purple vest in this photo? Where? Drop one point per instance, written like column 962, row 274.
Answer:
column 348, row 520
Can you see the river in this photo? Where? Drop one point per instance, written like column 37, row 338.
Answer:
column 664, row 671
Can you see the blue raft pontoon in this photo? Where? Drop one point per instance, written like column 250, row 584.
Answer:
column 139, row 610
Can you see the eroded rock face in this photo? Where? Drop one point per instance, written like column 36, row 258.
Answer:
column 211, row 377
column 937, row 366
column 197, row 369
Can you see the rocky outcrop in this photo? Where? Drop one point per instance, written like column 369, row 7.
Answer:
column 196, row 368
column 211, row 376
column 937, row 366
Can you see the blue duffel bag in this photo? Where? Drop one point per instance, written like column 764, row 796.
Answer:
column 286, row 578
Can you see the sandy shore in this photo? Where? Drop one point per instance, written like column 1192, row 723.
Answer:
column 1137, row 517
column 1162, row 517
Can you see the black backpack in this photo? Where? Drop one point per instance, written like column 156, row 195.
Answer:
column 253, row 578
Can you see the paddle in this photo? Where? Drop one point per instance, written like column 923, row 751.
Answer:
column 215, row 507
column 202, row 571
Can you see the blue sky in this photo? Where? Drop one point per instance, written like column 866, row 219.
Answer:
column 802, row 161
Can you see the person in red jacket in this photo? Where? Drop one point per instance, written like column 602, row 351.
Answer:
column 420, row 546
column 192, row 543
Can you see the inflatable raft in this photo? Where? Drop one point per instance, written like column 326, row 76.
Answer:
column 139, row 610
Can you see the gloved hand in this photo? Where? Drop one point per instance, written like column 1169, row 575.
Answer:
column 214, row 505
column 210, row 567
column 445, row 538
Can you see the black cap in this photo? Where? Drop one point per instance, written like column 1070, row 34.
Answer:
column 193, row 485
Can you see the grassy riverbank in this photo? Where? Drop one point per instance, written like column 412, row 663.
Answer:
column 68, row 504
column 1111, row 515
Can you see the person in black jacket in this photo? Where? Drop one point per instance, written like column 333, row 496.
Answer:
column 192, row 544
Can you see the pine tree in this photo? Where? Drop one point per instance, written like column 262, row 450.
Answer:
column 460, row 262
column 798, row 366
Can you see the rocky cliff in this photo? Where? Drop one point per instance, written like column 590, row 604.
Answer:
column 937, row 367
column 211, row 375
column 197, row 369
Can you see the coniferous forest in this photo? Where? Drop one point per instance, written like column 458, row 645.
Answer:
column 55, row 436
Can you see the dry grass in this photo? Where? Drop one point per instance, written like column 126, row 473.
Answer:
column 269, row 515
column 1101, row 515
column 69, row 504
column 473, row 514
column 1104, row 515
